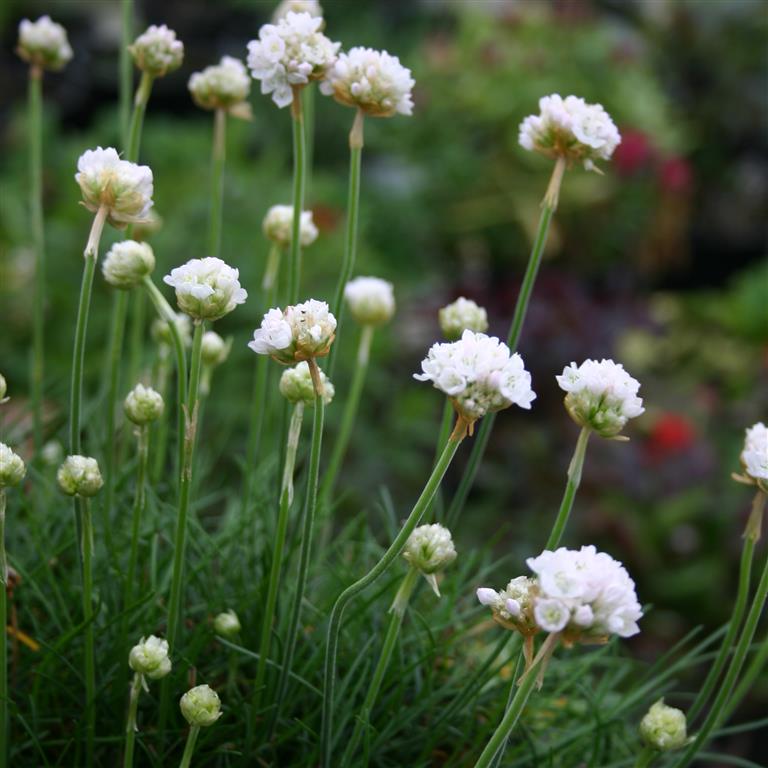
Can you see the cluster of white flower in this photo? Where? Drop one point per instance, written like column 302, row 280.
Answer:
column 124, row 188
column 462, row 315
column 664, row 728
column 372, row 81
column 201, row 706
column 430, row 548
column 149, row 657
column 157, row 51
column 127, row 263
column 312, row 7
column 12, row 469
column 300, row 332
column 572, row 129
column 79, row 476
column 221, row 86
column 479, row 374
column 296, row 385
column 206, row 289
column 754, row 457
column 290, row 53
column 601, row 396
column 371, row 300
column 278, row 226
column 143, row 405
column 584, row 594
column 43, row 43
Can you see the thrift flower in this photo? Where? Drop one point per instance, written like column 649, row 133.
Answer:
column 79, row 476
column 3, row 389
column 43, row 43
column 278, row 226
column 478, row 374
column 572, row 129
column 664, row 728
column 601, row 396
column 150, row 658
column 157, row 51
column 462, row 315
column 127, row 263
column 312, row 7
column 201, row 706
column 373, row 81
column 371, row 300
column 222, row 86
column 290, row 54
column 296, row 385
column 206, row 289
column 143, row 405
column 754, row 456
column 12, row 469
column 300, row 332
column 123, row 187
column 214, row 349
column 430, row 549
column 227, row 624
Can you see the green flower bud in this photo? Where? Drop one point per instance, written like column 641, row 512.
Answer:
column 296, row 385
column 143, row 405
column 201, row 706
column 430, row 549
column 664, row 728
column 227, row 624
column 3, row 389
column 79, row 476
column 43, row 43
column 127, row 263
column 52, row 453
column 150, row 658
column 161, row 333
column 214, row 349
column 157, row 51
column 12, row 469
column 371, row 300
column 462, row 315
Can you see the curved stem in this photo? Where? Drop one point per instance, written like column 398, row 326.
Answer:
column 38, row 238
column 130, row 723
column 4, row 731
column 549, row 206
column 350, row 240
column 139, row 503
column 86, row 549
column 310, row 508
column 189, row 748
column 126, row 68
column 286, row 498
column 217, row 181
column 396, row 613
column 337, row 613
column 571, row 486
column 299, row 175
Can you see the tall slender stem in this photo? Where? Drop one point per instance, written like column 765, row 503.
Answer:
column 646, row 757
column 396, row 613
column 348, row 417
column 308, row 514
column 571, row 486
column 218, row 158
column 337, row 613
column 549, row 206
column 189, row 748
column 130, row 723
column 137, row 117
column 38, row 240
column 286, row 498
column 139, row 504
column 4, row 729
column 299, row 179
column 159, row 431
column 126, row 68
column 356, row 141
column 86, row 549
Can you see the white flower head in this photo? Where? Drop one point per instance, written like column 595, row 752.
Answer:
column 371, row 300
column 157, row 51
column 301, row 332
column 430, row 549
column 227, row 623
column 206, row 289
column 600, row 396
column 754, row 456
column 143, row 405
column 80, row 476
column 512, row 607
column 123, row 187
column 278, row 226
column 312, row 7
column 296, row 385
column 127, row 263
column 290, row 54
column 225, row 85
column 201, row 706
column 479, row 374
column 462, row 315
column 664, row 728
column 149, row 657
column 372, row 81
column 43, row 43
column 12, row 469
column 214, row 350
column 52, row 453
column 161, row 333
column 3, row 389
column 572, row 129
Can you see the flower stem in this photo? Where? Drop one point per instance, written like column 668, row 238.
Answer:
column 86, row 551
column 139, row 504
column 571, row 486
column 337, row 613
column 189, row 748
column 126, row 68
column 4, row 731
column 217, row 181
column 38, row 238
column 350, row 240
column 348, row 418
column 308, row 514
column 137, row 117
column 396, row 613
column 646, row 757
column 286, row 499
column 160, row 428
column 548, row 208
column 299, row 174
column 130, row 724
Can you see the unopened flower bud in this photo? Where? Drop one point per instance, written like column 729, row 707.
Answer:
column 201, row 706
column 430, row 549
column 161, row 333
column 3, row 389
column 462, row 315
column 664, row 728
column 52, row 453
column 296, row 385
column 43, row 43
column 227, row 624
column 214, row 349
column 127, row 263
column 143, row 405
column 371, row 300
column 12, row 469
column 79, row 476
column 150, row 658
column 312, row 7
column 157, row 51
column 754, row 456
column 278, row 226
column 222, row 86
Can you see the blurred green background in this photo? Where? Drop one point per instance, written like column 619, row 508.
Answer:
column 660, row 263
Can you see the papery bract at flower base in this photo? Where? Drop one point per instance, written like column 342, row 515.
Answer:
column 296, row 385
column 278, row 226
column 462, row 315
column 43, row 43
